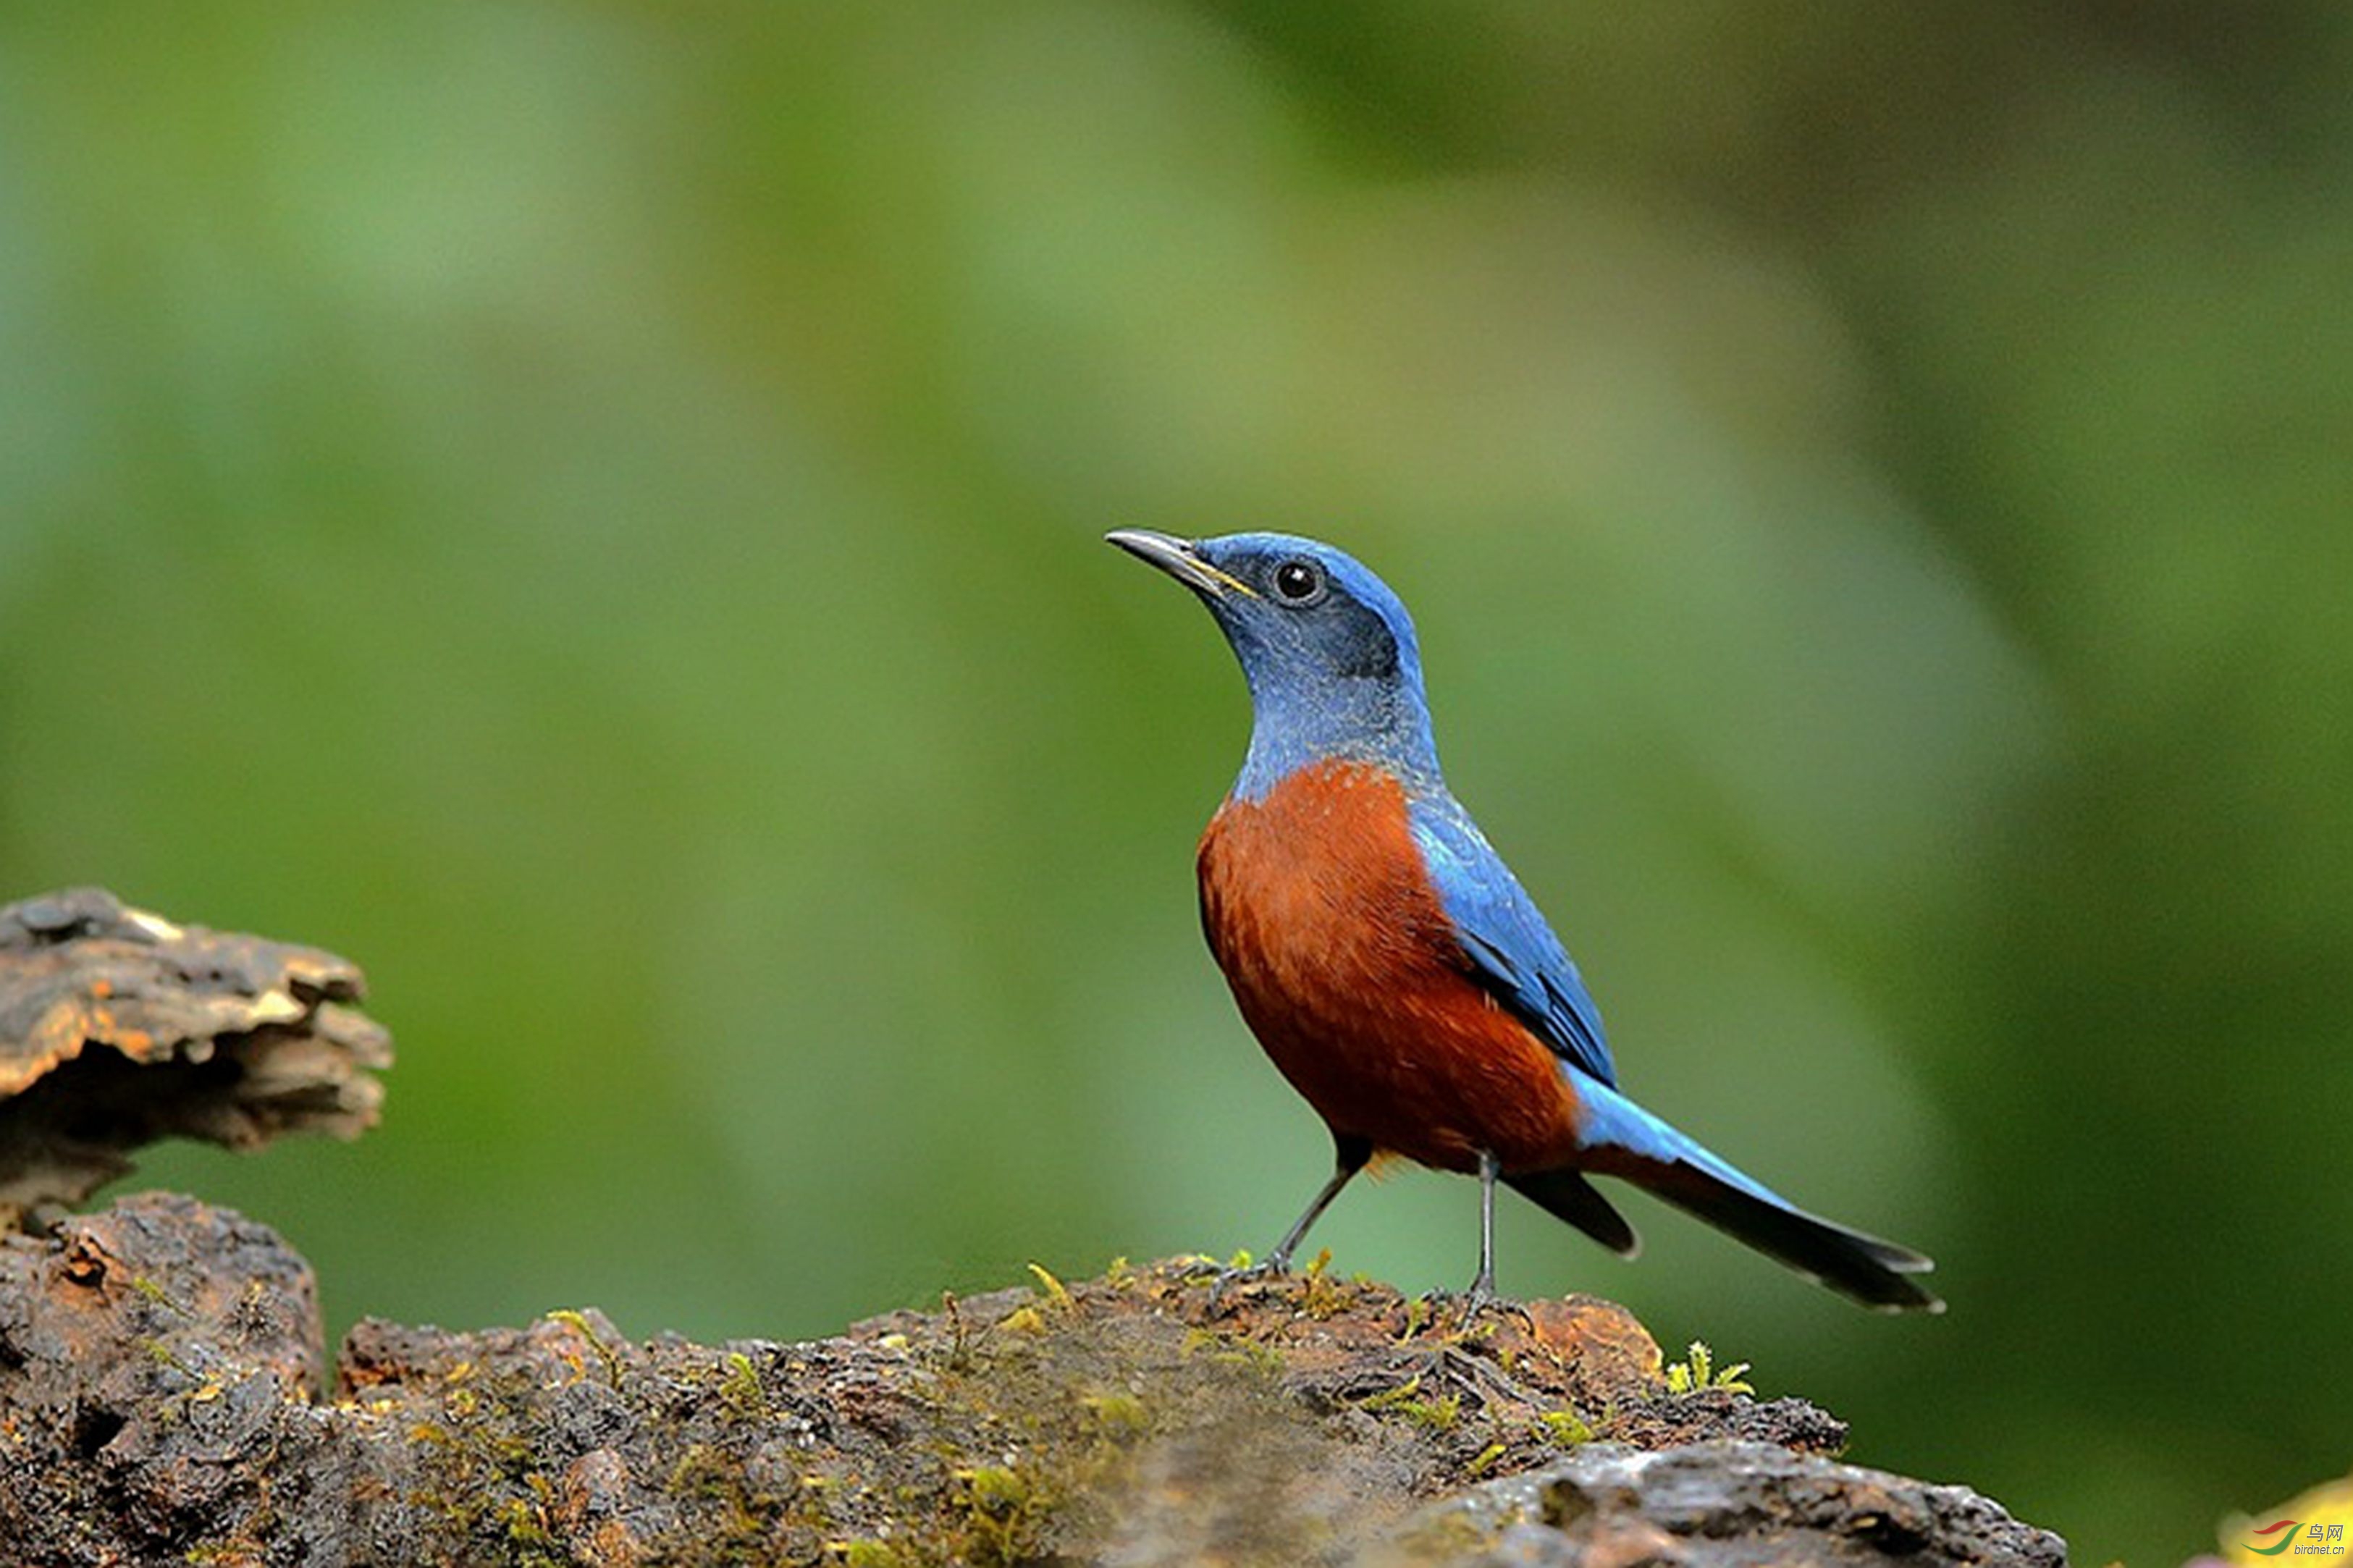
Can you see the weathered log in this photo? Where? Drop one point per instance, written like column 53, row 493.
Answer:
column 160, row 1402
column 119, row 1028
column 164, row 1397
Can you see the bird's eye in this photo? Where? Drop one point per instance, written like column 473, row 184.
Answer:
column 1298, row 581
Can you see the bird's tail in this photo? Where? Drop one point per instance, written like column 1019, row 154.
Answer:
column 1621, row 1139
column 1566, row 1194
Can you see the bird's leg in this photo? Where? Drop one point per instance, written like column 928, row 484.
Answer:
column 1482, row 1288
column 1350, row 1156
column 1481, row 1293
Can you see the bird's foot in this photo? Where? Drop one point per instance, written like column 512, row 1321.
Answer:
column 1473, row 1304
column 1465, row 1369
column 1240, row 1274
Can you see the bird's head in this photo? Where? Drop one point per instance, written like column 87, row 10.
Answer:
column 1328, row 650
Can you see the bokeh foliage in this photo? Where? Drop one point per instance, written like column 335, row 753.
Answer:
column 591, row 510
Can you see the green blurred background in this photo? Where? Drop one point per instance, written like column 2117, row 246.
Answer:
column 593, row 512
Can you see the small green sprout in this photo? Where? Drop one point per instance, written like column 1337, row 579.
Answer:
column 1390, row 1398
column 1563, row 1428
column 1699, row 1371
column 1437, row 1415
column 1057, row 1295
column 1022, row 1320
column 578, row 1323
column 1325, row 1298
column 740, row 1386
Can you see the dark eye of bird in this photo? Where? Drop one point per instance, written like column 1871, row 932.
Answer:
column 1297, row 579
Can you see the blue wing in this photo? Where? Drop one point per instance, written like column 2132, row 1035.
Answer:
column 1511, row 951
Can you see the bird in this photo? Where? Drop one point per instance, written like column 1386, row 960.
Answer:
column 1395, row 970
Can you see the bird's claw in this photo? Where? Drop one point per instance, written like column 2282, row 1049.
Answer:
column 1475, row 1303
column 1235, row 1274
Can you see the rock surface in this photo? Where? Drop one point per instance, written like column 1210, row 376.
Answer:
column 164, row 1397
column 162, row 1401
column 1726, row 1503
column 119, row 1028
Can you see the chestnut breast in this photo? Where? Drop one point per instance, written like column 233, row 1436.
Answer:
column 1319, row 908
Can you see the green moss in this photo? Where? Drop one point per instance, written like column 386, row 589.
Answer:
column 163, row 1355
column 1200, row 1270
column 867, row 1554
column 732, row 1520
column 484, row 1501
column 1390, row 1398
column 1058, row 1296
column 1117, row 1414
column 739, row 1386
column 524, row 1525
column 578, row 1323
column 999, row 1509
column 1436, row 1414
column 1231, row 1350
column 1324, row 1296
column 1698, row 1371
column 1563, row 1428
column 1022, row 1320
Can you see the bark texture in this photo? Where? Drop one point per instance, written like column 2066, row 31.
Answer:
column 166, row 1397
column 119, row 1028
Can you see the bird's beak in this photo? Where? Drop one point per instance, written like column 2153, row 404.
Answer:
column 1178, row 558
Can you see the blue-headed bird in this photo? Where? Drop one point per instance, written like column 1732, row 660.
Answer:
column 1392, row 966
